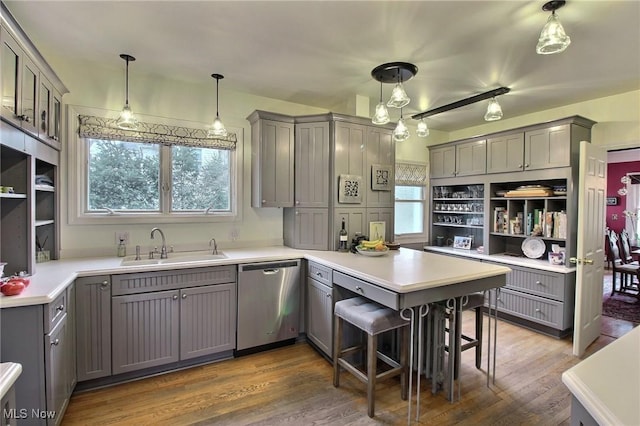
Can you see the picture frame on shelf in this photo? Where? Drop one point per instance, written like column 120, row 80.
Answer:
column 462, row 242
column 377, row 230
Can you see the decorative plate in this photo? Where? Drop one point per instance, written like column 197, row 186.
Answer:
column 533, row 248
column 372, row 253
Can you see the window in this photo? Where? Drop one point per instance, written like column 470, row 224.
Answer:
column 410, row 201
column 138, row 181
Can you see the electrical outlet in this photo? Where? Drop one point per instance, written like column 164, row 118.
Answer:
column 234, row 234
column 122, row 235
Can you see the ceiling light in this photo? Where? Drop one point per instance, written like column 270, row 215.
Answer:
column 400, row 133
column 399, row 97
column 423, row 129
column 463, row 102
column 217, row 129
column 395, row 72
column 494, row 112
column 381, row 115
column 552, row 39
column 127, row 120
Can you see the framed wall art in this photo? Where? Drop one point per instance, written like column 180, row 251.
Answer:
column 350, row 189
column 377, row 230
column 381, row 177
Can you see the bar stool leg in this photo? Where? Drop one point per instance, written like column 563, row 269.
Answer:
column 337, row 340
column 372, row 358
column 404, row 358
column 479, row 320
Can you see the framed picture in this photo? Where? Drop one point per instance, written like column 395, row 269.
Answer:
column 462, row 243
column 612, row 201
column 376, row 230
column 350, row 189
column 381, row 177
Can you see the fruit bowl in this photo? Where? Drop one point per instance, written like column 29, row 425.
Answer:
column 372, row 251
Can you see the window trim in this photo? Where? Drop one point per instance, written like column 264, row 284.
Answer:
column 415, row 237
column 77, row 171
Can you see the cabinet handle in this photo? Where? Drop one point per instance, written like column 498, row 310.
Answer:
column 184, row 296
column 55, row 342
column 519, row 166
column 297, row 202
column 319, row 273
column 538, row 283
column 175, row 297
column 264, row 201
column 526, row 165
column 60, row 308
column 104, row 285
column 538, row 310
column 328, row 295
column 358, row 288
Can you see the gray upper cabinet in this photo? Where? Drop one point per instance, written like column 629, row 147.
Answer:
column 93, row 327
column 312, row 164
column 442, row 161
column 48, row 117
column 505, row 153
column 272, row 160
column 349, row 155
column 380, row 152
column 547, row 148
column 459, row 159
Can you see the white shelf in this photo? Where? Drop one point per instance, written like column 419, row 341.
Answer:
column 44, row 222
column 6, row 195
column 45, row 188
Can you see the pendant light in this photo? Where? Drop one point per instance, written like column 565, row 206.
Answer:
column 381, row 115
column 494, row 111
column 127, row 120
column 400, row 133
column 217, row 129
column 399, row 97
column 552, row 39
column 423, row 129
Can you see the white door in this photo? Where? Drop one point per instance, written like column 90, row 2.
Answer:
column 590, row 246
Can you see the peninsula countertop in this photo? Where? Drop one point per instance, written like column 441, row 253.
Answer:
column 9, row 373
column 401, row 271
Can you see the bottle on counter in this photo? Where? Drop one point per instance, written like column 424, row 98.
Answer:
column 343, row 245
column 122, row 248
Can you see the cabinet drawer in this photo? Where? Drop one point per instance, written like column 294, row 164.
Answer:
column 368, row 290
column 171, row 280
column 319, row 273
column 540, row 283
column 533, row 308
column 55, row 311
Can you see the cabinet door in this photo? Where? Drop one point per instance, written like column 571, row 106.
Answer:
column 312, row 165
column 310, row 228
column 44, row 107
column 145, row 330
column 505, row 153
column 207, row 320
column 10, row 61
column 56, row 119
column 380, row 150
column 349, row 154
column 56, row 366
column 275, row 150
column 547, row 148
column 355, row 222
column 471, row 158
column 70, row 356
column 442, row 162
column 93, row 327
column 320, row 315
column 29, row 96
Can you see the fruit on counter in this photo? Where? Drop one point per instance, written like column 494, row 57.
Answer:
column 12, row 287
column 372, row 243
column 23, row 280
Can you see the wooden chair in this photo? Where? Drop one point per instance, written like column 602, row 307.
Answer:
column 626, row 271
column 625, row 249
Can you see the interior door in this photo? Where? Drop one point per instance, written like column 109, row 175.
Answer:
column 590, row 246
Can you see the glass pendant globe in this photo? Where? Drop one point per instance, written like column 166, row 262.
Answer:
column 217, row 129
column 399, row 97
column 552, row 39
column 400, row 133
column 494, row 111
column 382, row 114
column 127, row 120
column 423, row 130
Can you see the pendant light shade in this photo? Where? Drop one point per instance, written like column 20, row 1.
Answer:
column 217, row 129
column 552, row 39
column 381, row 115
column 127, row 120
column 400, row 133
column 494, row 111
column 423, row 129
column 399, row 97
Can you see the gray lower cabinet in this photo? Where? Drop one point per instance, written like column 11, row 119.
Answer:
column 57, row 352
column 93, row 327
column 355, row 222
column 320, row 307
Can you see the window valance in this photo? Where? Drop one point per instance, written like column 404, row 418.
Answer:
column 411, row 174
column 106, row 129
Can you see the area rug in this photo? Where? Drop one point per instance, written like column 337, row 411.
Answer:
column 622, row 306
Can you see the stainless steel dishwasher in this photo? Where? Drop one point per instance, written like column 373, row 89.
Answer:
column 268, row 303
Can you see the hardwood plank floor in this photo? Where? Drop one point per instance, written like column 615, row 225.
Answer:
column 293, row 385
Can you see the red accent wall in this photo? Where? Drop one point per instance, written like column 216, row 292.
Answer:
column 615, row 217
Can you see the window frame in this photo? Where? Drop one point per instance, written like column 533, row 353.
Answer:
column 77, row 160
column 414, row 237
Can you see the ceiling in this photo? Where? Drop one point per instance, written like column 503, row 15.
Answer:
column 321, row 53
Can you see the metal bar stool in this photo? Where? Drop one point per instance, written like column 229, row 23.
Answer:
column 373, row 319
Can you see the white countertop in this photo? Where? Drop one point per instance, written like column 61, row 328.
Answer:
column 402, row 271
column 9, row 373
column 540, row 264
column 607, row 383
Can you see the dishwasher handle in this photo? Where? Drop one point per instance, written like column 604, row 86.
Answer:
column 270, row 271
column 269, row 265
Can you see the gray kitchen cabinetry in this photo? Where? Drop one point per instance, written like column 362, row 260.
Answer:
column 349, row 155
column 320, row 307
column 306, row 228
column 272, row 159
column 40, row 338
column 466, row 158
column 165, row 317
column 505, row 153
column 355, row 219
column 380, row 152
column 312, row 164
column 93, row 327
column 49, row 113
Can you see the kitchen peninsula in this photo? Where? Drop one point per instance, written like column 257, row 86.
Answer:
column 401, row 279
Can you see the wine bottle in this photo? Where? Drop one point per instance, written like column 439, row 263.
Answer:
column 343, row 246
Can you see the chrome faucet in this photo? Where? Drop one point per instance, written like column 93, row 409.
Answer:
column 215, row 246
column 163, row 250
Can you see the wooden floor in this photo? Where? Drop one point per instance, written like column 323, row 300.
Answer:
column 293, row 386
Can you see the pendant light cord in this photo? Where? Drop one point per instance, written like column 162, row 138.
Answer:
column 217, row 91
column 126, row 101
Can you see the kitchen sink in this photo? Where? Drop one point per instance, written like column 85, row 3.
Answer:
column 180, row 257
